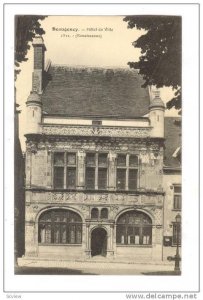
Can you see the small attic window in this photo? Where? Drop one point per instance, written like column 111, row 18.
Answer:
column 97, row 122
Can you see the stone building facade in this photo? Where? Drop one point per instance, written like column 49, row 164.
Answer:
column 94, row 164
column 172, row 184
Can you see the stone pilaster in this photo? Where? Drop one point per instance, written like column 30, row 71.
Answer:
column 30, row 243
column 49, row 169
column 28, row 167
column 112, row 170
column 81, row 170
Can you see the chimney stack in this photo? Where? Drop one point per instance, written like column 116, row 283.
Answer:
column 37, row 76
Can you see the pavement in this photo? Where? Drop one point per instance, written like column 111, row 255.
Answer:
column 98, row 266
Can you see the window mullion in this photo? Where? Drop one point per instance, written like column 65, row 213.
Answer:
column 141, row 234
column 60, row 232
column 138, row 173
column 52, row 227
column 65, row 170
column 96, row 171
column 126, row 235
column 127, row 172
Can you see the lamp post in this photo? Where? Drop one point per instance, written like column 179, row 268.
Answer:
column 177, row 256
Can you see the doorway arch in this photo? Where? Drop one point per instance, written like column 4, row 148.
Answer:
column 98, row 242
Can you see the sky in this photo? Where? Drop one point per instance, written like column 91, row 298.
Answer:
column 101, row 41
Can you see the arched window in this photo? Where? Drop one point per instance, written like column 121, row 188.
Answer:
column 60, row 227
column 94, row 213
column 134, row 228
column 104, row 213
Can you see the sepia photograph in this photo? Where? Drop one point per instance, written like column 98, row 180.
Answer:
column 101, row 159
column 98, row 145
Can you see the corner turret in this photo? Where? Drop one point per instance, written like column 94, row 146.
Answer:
column 34, row 113
column 156, row 116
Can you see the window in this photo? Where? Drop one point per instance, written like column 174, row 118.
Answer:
column 133, row 161
column 176, row 234
column 60, row 227
column 132, row 180
column 96, row 170
column 133, row 172
column 96, row 122
column 134, row 228
column 94, row 213
column 90, row 171
column 64, row 170
column 58, row 177
column 121, row 160
column 102, row 171
column 90, row 178
column 127, row 172
column 90, row 159
column 121, row 179
column 59, row 170
column 104, row 213
column 177, row 197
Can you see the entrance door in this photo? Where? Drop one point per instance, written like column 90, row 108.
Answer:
column 98, row 242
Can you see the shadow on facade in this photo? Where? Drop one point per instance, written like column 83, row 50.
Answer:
column 48, row 271
column 167, row 273
column 19, row 197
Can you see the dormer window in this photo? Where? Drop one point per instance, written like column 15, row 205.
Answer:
column 96, row 122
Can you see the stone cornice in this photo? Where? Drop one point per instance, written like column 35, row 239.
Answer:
column 35, row 142
column 102, row 192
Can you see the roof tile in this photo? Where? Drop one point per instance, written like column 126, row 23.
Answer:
column 92, row 92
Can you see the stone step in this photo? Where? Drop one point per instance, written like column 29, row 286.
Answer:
column 95, row 260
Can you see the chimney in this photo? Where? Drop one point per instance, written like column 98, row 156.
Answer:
column 37, row 76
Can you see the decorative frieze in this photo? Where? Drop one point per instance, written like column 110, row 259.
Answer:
column 149, row 150
column 96, row 198
column 96, row 131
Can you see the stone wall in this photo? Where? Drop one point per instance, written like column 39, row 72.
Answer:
column 168, row 181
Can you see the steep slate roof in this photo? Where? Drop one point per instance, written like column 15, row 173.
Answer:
column 172, row 141
column 83, row 91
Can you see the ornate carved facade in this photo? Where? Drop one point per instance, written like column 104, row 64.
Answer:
column 94, row 189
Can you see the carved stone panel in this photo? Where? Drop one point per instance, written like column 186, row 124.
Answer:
column 95, row 131
column 106, row 198
column 158, row 216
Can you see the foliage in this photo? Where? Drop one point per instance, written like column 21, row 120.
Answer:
column 160, row 60
column 26, row 27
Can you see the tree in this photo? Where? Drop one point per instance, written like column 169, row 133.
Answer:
column 26, row 27
column 160, row 60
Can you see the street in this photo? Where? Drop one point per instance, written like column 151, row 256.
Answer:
column 44, row 267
